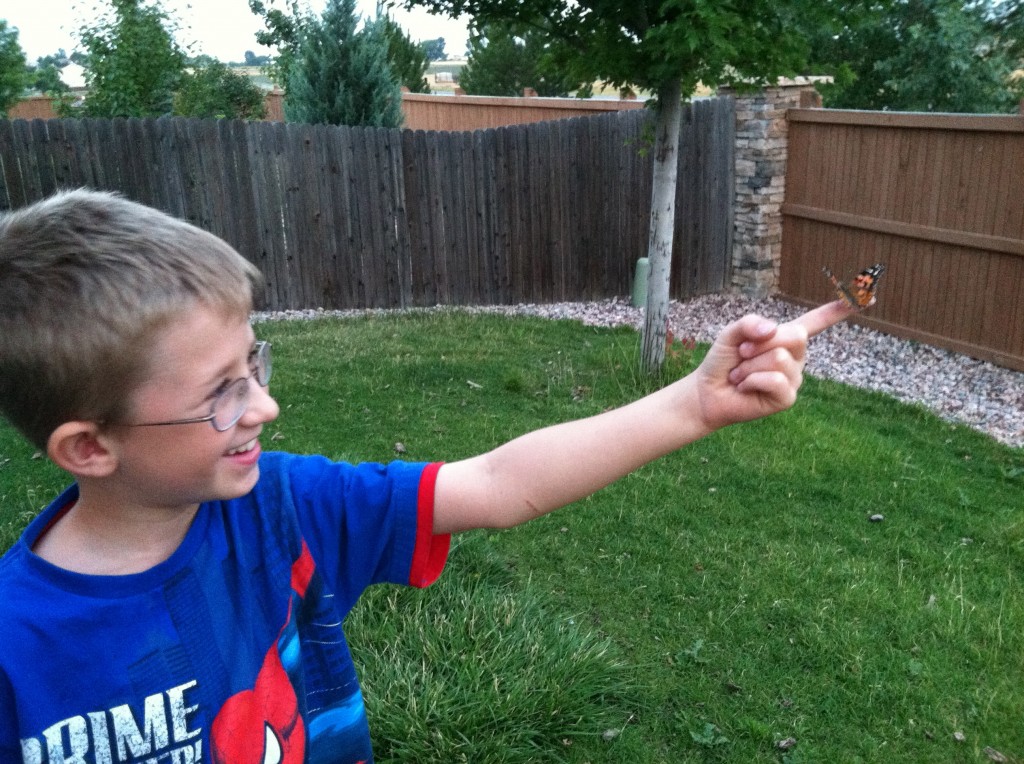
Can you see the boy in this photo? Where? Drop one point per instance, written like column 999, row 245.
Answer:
column 182, row 601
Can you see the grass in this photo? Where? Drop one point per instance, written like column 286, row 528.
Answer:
column 706, row 608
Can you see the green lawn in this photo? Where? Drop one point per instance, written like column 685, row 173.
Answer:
column 715, row 603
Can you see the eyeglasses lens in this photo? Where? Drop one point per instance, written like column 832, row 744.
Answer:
column 231, row 404
column 262, row 366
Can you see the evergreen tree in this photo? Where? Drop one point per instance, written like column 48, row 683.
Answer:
column 408, row 60
column 504, row 58
column 341, row 77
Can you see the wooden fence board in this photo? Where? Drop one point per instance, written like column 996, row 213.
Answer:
column 322, row 176
column 539, row 274
column 517, row 157
column 10, row 175
column 385, row 215
column 440, row 250
column 502, row 214
column 104, row 159
column 27, row 160
column 271, row 215
column 300, row 220
column 393, row 218
column 413, row 171
column 349, row 257
column 42, row 156
column 461, row 271
column 483, row 150
column 67, row 168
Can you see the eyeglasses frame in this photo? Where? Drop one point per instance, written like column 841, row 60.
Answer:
column 260, row 353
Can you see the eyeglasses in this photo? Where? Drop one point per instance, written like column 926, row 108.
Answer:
column 231, row 402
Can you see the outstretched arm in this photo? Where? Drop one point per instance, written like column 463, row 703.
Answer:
column 753, row 369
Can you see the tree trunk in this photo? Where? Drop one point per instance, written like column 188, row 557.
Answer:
column 663, row 215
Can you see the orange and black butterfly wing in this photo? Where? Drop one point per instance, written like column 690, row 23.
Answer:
column 860, row 292
column 841, row 289
column 865, row 284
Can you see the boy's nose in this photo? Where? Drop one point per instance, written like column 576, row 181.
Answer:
column 262, row 406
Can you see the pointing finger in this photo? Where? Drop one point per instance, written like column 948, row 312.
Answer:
column 819, row 319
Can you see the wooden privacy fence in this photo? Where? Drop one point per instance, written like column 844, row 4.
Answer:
column 340, row 217
column 470, row 112
column 937, row 198
column 436, row 111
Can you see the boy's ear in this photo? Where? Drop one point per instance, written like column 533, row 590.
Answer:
column 81, row 449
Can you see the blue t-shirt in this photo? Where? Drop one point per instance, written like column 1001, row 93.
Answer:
column 232, row 649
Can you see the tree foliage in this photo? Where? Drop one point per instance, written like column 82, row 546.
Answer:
column 45, row 78
column 433, row 49
column 1006, row 22
column 408, row 60
column 922, row 55
column 648, row 43
column 133, row 62
column 12, row 67
column 251, row 59
column 341, row 77
column 282, row 31
column 505, row 58
column 214, row 90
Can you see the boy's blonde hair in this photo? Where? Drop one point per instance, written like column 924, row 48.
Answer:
column 87, row 279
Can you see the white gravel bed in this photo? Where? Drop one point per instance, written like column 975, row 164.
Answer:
column 958, row 388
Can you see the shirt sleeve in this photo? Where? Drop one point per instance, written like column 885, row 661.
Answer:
column 431, row 551
column 365, row 523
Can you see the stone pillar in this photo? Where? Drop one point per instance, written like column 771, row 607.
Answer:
column 761, row 143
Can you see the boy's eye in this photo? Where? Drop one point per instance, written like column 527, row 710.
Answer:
column 253, row 358
column 220, row 389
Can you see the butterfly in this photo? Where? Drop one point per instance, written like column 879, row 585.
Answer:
column 859, row 293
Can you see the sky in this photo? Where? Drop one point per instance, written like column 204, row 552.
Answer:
column 223, row 29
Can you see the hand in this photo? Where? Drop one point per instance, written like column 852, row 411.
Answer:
column 755, row 366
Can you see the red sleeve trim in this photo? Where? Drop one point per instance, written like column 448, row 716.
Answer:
column 431, row 552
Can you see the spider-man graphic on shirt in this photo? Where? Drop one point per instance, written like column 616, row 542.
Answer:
column 264, row 724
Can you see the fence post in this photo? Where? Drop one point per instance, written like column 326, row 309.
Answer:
column 761, row 146
column 273, row 101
